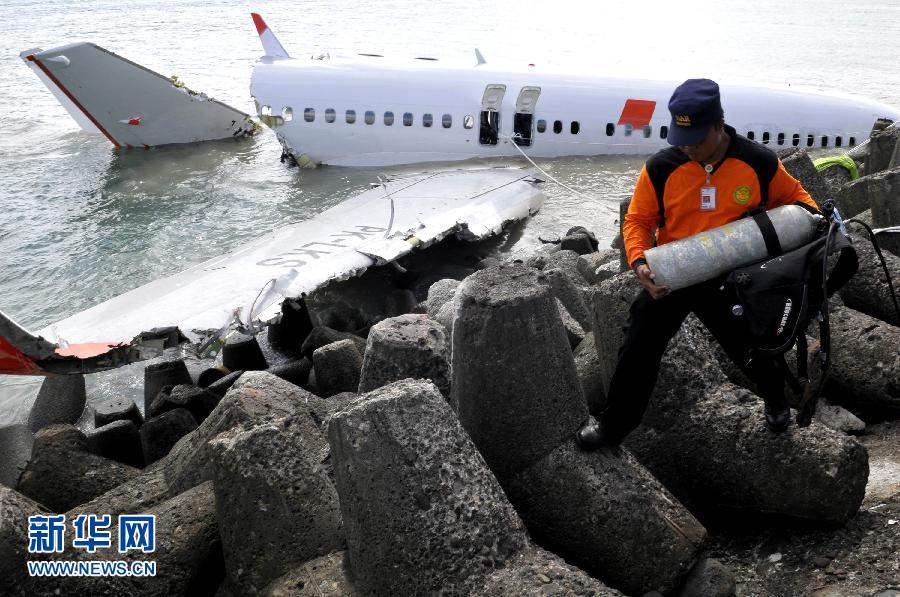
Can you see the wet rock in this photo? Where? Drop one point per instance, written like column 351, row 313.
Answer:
column 884, row 188
column 587, row 265
column 446, row 315
column 321, row 336
column 567, row 261
column 609, row 307
column 119, row 441
column 440, row 293
column 882, row 146
column 574, row 501
column 209, row 376
column 257, row 397
column 327, row 576
column 60, row 400
column 400, row 301
column 296, row 372
column 243, row 353
column 436, row 522
column 408, row 346
column 198, row 401
column 275, row 504
column 838, row 418
column 868, row 291
column 587, row 364
column 534, row 572
column 15, row 509
column 222, row 385
column 166, row 373
column 274, row 356
column 159, row 434
column 62, row 473
column 188, row 554
column 117, row 409
column 853, row 198
column 709, row 578
column 337, row 367
column 15, row 450
column 865, row 362
column 578, row 242
column 799, row 165
column 507, row 337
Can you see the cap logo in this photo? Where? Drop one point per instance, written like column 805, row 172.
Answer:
column 682, row 120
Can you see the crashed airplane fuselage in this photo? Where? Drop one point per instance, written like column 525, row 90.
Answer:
column 248, row 284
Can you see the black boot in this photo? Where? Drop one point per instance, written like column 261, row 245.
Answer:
column 777, row 412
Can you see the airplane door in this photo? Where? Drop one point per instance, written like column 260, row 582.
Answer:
column 490, row 114
column 523, row 120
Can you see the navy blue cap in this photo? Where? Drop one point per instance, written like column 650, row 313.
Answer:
column 695, row 108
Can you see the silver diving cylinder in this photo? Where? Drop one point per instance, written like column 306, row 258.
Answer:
column 711, row 253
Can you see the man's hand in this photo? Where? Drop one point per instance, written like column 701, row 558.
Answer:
column 646, row 277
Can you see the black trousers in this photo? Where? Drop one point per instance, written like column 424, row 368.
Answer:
column 651, row 324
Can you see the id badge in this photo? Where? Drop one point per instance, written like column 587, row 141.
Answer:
column 707, row 198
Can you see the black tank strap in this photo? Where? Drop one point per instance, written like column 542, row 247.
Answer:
column 761, row 217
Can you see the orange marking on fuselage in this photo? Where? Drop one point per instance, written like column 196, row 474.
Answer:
column 637, row 113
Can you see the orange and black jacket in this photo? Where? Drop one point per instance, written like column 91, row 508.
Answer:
column 667, row 195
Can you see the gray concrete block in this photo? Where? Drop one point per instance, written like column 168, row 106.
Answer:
column 884, row 191
column 838, row 418
column 573, row 502
column 15, row 450
column 868, row 291
column 166, row 373
column 275, row 504
column 514, row 381
column 799, row 165
column 337, row 366
column 15, row 509
column 574, row 331
column 198, row 401
column 882, row 146
column 587, row 364
column 119, row 441
column 440, row 293
column 409, row 346
column 137, row 494
column 865, row 361
column 62, row 473
column 853, row 197
column 566, row 291
column 321, row 336
column 609, row 307
column 117, row 409
column 709, row 578
column 159, row 434
column 587, row 265
column 60, row 400
column 567, row 261
column 418, row 499
column 326, row 576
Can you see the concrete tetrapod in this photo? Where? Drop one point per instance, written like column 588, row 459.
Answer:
column 868, row 290
column 275, row 504
column 514, row 381
column 423, row 514
column 408, row 346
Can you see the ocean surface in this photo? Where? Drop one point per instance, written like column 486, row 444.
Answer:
column 81, row 223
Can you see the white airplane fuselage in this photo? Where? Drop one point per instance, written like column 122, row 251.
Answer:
column 370, row 112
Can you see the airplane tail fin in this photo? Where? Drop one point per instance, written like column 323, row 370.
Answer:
column 270, row 43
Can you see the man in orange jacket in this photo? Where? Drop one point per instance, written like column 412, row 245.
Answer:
column 710, row 177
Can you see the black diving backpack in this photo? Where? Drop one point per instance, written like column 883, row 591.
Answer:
column 778, row 297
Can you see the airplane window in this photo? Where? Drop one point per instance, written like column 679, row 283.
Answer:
column 766, row 137
column 309, row 114
column 351, row 116
column 427, row 119
column 287, row 113
column 447, row 121
column 329, row 115
column 838, row 141
column 468, row 121
column 825, row 141
column 781, row 138
column 810, row 140
column 388, row 118
column 265, row 110
column 541, row 126
column 628, row 129
column 795, row 140
column 574, row 127
column 557, row 126
column 370, row 117
column 648, row 131
column 610, row 129
column 663, row 132
column 751, row 135
column 852, row 141
column 407, row 119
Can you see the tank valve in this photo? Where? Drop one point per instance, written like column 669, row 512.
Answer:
column 737, row 310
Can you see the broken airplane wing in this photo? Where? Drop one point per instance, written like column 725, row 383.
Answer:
column 130, row 105
column 248, row 284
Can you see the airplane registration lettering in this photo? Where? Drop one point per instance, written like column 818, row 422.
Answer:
column 290, row 258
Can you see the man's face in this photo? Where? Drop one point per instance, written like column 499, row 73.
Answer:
column 706, row 149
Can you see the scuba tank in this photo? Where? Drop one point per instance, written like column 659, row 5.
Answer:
column 714, row 252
